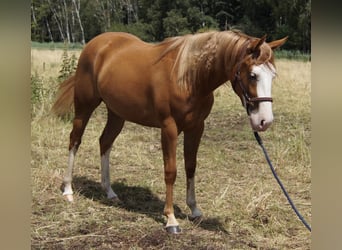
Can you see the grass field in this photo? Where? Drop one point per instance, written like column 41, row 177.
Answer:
column 243, row 206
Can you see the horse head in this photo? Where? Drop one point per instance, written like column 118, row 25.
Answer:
column 252, row 81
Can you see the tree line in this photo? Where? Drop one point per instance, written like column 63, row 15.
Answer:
column 77, row 21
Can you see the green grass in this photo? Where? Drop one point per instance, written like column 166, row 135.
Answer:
column 55, row 45
column 242, row 204
column 293, row 55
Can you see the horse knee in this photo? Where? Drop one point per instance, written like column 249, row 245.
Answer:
column 170, row 176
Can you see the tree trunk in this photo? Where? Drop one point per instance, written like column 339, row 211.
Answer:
column 77, row 10
column 55, row 15
column 66, row 21
column 49, row 30
column 33, row 15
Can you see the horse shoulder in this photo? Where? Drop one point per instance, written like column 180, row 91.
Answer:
column 192, row 111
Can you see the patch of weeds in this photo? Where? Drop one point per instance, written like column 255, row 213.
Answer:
column 37, row 89
column 69, row 64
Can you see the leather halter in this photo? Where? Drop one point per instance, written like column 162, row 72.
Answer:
column 248, row 101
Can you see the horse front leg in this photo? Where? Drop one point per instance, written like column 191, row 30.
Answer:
column 192, row 138
column 169, row 134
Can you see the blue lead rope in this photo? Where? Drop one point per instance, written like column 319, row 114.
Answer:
column 257, row 137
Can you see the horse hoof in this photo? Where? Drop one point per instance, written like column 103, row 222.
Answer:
column 173, row 229
column 115, row 200
column 195, row 219
column 69, row 197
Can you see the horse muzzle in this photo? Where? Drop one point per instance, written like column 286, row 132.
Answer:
column 262, row 117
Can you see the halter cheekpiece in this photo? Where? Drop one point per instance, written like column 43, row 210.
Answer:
column 248, row 101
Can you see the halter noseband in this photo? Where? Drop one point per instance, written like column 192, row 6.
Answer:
column 248, row 101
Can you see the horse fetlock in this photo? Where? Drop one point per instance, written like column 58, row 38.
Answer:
column 171, row 220
column 196, row 213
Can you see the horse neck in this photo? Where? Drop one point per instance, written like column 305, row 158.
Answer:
column 220, row 73
column 214, row 78
column 229, row 52
column 206, row 61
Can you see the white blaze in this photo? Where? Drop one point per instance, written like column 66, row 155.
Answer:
column 262, row 117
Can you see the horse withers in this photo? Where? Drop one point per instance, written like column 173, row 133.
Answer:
column 170, row 86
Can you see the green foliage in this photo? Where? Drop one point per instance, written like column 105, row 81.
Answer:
column 154, row 20
column 68, row 66
column 293, row 55
column 56, row 45
column 141, row 30
column 36, row 88
column 175, row 24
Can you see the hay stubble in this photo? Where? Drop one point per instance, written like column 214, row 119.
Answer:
column 243, row 206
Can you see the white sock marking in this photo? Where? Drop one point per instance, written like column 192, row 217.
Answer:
column 105, row 177
column 68, row 176
column 191, row 198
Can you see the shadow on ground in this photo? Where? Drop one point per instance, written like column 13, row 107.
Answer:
column 137, row 199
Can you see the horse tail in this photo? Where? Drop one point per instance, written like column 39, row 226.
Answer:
column 65, row 97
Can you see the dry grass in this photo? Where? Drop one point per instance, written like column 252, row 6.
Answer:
column 242, row 204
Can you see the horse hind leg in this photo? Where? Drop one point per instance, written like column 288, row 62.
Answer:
column 112, row 129
column 68, row 193
column 82, row 115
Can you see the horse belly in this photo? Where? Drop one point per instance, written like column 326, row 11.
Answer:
column 130, row 102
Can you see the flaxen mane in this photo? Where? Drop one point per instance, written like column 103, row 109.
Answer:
column 197, row 54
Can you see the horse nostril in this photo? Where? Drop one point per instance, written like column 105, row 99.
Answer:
column 262, row 123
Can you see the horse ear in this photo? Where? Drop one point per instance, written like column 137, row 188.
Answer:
column 276, row 44
column 254, row 46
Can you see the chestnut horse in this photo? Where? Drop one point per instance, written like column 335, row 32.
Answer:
column 170, row 86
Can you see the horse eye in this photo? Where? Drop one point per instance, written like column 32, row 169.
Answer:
column 253, row 76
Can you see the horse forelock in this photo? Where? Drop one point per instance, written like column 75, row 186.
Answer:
column 266, row 54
